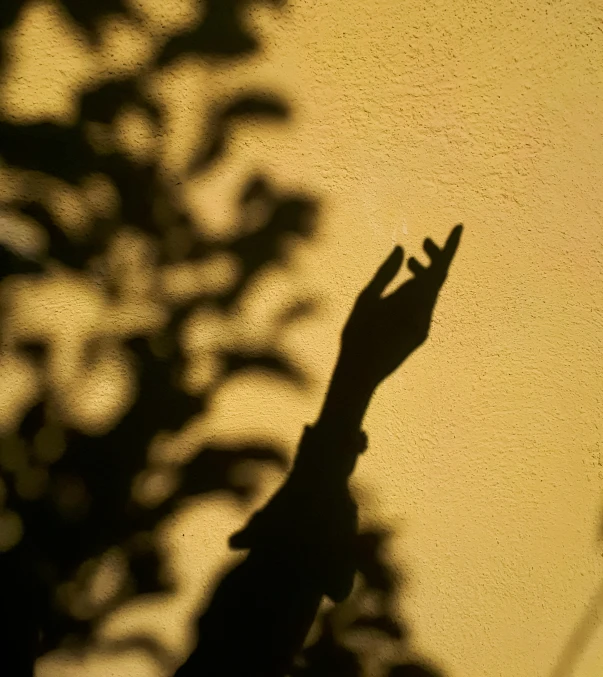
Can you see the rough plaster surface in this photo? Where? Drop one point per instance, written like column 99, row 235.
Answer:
column 486, row 449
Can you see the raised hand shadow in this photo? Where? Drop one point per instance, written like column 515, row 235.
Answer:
column 302, row 546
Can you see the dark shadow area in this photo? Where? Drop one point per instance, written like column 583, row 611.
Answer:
column 302, row 550
column 304, row 545
column 221, row 34
column 368, row 618
column 87, row 507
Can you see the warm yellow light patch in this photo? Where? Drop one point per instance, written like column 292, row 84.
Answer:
column 135, row 134
column 83, row 329
column 124, row 49
column 68, row 207
column 22, row 234
column 129, row 265
column 134, row 663
column 101, row 195
column 164, row 18
column 183, row 281
column 97, row 582
column 153, row 486
column 96, row 401
column 109, row 578
column 12, row 183
column 214, row 200
column 184, row 93
column 42, row 82
column 205, row 329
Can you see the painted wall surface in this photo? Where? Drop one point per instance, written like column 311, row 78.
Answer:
column 486, row 449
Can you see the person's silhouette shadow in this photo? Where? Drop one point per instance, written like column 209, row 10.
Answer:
column 301, row 546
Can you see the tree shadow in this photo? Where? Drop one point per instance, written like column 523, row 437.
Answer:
column 361, row 635
column 70, row 492
column 366, row 628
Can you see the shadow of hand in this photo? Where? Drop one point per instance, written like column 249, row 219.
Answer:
column 382, row 331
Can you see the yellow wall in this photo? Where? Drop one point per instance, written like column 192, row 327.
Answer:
column 486, row 449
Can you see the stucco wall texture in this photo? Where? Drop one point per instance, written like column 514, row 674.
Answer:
column 486, row 449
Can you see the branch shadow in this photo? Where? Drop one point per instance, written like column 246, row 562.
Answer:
column 70, row 491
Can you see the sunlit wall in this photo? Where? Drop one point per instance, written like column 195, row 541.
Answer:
column 376, row 122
